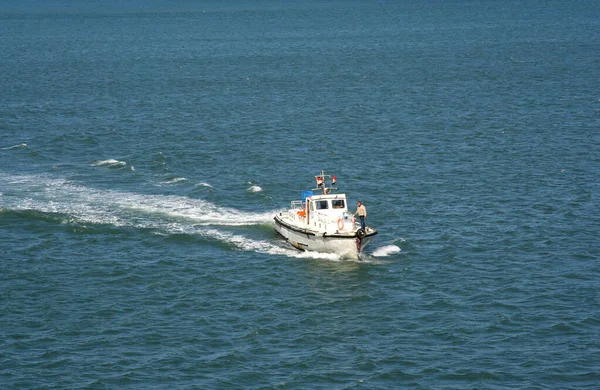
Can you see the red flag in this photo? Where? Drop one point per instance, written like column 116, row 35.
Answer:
column 333, row 180
column 319, row 181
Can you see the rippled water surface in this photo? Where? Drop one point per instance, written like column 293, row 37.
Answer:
column 146, row 146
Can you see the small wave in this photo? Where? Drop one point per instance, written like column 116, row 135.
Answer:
column 203, row 185
column 175, row 180
column 386, row 251
column 110, row 162
column 255, row 188
column 19, row 146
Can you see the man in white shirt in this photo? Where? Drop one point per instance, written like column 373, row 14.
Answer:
column 362, row 215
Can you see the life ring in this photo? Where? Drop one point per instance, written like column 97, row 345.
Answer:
column 340, row 224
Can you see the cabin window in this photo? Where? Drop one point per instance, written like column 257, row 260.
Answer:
column 322, row 204
column 337, row 203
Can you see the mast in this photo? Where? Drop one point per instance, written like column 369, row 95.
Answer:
column 322, row 182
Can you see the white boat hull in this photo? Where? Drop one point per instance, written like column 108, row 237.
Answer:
column 346, row 245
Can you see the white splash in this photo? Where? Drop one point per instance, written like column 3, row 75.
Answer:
column 386, row 251
column 255, row 188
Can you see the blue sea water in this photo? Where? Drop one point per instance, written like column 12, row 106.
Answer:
column 146, row 146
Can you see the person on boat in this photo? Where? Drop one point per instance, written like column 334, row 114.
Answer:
column 361, row 210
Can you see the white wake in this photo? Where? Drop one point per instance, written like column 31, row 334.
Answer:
column 168, row 214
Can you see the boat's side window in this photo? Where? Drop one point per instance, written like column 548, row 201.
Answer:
column 337, row 204
column 321, row 204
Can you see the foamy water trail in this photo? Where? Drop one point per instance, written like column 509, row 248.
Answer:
column 168, row 214
column 89, row 204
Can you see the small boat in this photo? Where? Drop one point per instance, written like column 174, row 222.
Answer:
column 322, row 222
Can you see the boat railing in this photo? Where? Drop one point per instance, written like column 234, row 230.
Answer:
column 297, row 205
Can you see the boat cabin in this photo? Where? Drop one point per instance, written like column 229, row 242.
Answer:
column 327, row 204
column 324, row 212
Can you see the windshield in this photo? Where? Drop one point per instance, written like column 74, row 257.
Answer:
column 322, row 204
column 337, row 203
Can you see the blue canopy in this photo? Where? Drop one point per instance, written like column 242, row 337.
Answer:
column 306, row 194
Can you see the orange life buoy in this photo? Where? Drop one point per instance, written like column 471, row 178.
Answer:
column 340, row 224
